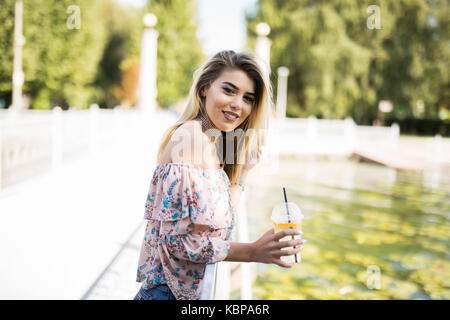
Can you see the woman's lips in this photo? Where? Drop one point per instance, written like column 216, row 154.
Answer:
column 230, row 116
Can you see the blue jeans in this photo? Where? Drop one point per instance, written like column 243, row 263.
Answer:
column 161, row 292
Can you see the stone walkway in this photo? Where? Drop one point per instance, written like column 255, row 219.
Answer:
column 117, row 281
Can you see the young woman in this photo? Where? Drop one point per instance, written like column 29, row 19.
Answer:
column 202, row 164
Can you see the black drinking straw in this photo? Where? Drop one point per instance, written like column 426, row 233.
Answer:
column 289, row 216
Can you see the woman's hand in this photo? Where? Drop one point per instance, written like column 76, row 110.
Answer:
column 252, row 160
column 267, row 249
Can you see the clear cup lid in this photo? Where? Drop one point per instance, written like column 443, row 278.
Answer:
column 280, row 214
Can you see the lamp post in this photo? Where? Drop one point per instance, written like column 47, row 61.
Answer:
column 19, row 41
column 147, row 91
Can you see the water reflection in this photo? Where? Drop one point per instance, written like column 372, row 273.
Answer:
column 359, row 217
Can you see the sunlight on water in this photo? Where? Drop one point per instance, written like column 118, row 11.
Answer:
column 373, row 232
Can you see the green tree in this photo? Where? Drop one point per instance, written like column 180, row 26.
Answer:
column 339, row 67
column 179, row 50
column 59, row 60
column 117, row 74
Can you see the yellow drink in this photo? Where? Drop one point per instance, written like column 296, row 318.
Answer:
column 282, row 221
column 283, row 226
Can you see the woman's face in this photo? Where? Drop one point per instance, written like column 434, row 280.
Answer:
column 229, row 99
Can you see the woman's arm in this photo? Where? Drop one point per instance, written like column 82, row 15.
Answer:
column 267, row 249
column 240, row 252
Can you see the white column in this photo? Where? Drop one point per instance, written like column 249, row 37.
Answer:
column 283, row 74
column 437, row 148
column 312, row 129
column 395, row 134
column 262, row 46
column 94, row 134
column 246, row 285
column 147, row 91
column 57, row 137
column 350, row 135
column 1, row 155
column 222, row 282
column 19, row 41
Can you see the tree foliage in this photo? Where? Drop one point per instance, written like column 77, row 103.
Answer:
column 179, row 50
column 99, row 62
column 339, row 67
column 59, row 61
column 118, row 70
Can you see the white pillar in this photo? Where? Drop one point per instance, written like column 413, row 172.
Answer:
column 437, row 148
column 19, row 41
column 395, row 134
column 246, row 285
column 93, row 139
column 147, row 91
column 1, row 155
column 222, row 286
column 262, row 46
column 312, row 129
column 57, row 138
column 350, row 134
column 283, row 74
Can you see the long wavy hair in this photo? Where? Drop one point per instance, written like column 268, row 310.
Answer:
column 251, row 141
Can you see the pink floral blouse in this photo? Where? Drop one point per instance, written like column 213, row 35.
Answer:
column 190, row 220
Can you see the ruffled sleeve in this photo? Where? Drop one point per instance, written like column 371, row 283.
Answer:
column 192, row 207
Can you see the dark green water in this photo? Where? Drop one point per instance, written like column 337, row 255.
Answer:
column 373, row 232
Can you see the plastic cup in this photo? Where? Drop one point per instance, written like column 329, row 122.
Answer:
column 281, row 221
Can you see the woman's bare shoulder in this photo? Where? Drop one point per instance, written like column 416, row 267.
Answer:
column 190, row 145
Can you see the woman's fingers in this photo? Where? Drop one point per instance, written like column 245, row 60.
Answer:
column 289, row 252
column 287, row 232
column 283, row 264
column 268, row 249
column 252, row 158
column 268, row 233
column 290, row 243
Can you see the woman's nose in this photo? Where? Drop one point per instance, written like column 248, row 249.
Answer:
column 237, row 102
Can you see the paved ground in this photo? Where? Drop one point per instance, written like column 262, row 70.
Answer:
column 117, row 282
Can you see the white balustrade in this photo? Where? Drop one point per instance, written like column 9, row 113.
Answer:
column 323, row 136
column 36, row 141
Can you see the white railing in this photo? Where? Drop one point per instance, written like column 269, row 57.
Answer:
column 209, row 282
column 321, row 136
column 33, row 142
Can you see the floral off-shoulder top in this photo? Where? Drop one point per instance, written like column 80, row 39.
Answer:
column 190, row 221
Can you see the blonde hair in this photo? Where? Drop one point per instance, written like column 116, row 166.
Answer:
column 258, row 118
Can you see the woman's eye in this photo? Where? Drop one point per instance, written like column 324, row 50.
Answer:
column 227, row 90
column 251, row 100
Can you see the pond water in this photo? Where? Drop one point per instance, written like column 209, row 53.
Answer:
column 373, row 232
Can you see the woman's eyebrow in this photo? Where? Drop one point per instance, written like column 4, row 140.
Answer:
column 236, row 88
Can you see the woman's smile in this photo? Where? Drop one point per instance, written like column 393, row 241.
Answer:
column 230, row 116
